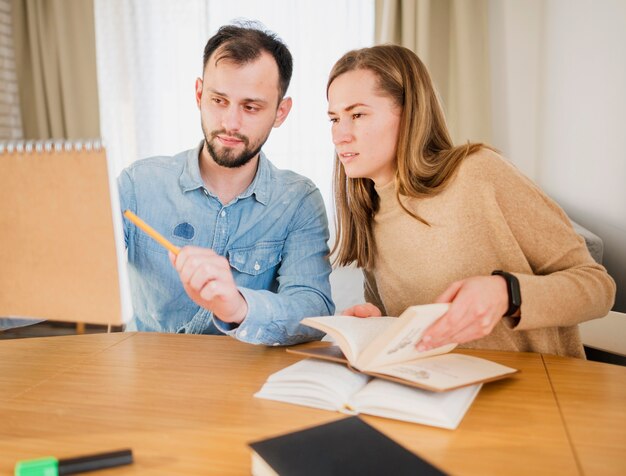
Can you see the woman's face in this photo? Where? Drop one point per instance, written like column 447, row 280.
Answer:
column 365, row 126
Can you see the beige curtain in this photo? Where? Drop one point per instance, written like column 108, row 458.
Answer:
column 56, row 68
column 451, row 37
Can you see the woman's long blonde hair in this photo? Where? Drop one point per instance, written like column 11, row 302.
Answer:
column 426, row 158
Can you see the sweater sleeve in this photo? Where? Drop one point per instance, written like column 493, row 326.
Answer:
column 566, row 286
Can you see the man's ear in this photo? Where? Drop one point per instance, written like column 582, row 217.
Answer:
column 198, row 91
column 283, row 111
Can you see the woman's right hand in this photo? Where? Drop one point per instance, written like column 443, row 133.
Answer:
column 362, row 310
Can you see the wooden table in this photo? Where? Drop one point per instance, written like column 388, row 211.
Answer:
column 184, row 404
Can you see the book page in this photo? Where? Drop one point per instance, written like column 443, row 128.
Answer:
column 394, row 400
column 313, row 383
column 352, row 334
column 447, row 371
column 398, row 343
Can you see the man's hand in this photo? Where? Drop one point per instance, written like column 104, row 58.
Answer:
column 476, row 306
column 362, row 310
column 208, row 281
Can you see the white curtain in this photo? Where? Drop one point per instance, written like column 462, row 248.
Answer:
column 148, row 56
column 150, row 53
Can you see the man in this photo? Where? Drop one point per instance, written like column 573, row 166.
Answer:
column 254, row 251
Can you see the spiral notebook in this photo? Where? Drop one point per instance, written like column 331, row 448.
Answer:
column 61, row 248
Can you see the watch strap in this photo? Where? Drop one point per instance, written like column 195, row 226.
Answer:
column 513, row 289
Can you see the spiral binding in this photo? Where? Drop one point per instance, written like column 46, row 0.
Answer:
column 39, row 146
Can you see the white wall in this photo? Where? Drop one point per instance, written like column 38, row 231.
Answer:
column 559, row 96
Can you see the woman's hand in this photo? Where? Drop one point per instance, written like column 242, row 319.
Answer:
column 362, row 310
column 476, row 306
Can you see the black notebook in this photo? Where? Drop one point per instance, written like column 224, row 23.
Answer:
column 343, row 447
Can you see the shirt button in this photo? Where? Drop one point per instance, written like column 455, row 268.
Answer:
column 257, row 266
column 243, row 333
column 223, row 214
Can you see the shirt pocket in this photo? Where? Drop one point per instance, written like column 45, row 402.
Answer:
column 256, row 259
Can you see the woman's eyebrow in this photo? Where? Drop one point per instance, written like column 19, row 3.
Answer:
column 350, row 107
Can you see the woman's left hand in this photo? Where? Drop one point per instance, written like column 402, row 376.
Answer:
column 476, row 306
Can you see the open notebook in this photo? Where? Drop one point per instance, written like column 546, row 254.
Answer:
column 62, row 246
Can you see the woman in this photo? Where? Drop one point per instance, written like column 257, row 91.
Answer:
column 431, row 222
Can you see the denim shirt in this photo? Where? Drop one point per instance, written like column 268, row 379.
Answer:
column 274, row 236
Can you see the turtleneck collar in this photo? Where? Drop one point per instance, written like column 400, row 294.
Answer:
column 387, row 196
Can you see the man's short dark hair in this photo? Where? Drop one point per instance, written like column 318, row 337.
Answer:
column 243, row 43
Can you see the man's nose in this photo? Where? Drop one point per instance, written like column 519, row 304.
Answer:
column 231, row 118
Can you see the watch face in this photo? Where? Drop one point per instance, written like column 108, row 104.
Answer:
column 515, row 296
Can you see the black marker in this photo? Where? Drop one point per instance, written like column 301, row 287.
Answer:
column 51, row 466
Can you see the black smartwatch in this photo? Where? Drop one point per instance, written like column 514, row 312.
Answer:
column 512, row 286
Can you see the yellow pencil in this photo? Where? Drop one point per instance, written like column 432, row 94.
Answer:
column 151, row 232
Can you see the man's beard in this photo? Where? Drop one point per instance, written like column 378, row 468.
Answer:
column 228, row 158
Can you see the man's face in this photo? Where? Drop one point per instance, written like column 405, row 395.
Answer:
column 239, row 105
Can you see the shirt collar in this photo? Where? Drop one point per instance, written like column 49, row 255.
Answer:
column 190, row 179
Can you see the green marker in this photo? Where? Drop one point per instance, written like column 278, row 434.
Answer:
column 51, row 466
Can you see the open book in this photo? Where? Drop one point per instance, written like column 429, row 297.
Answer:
column 385, row 347
column 332, row 386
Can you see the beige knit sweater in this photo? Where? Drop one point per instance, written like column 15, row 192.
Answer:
column 490, row 217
